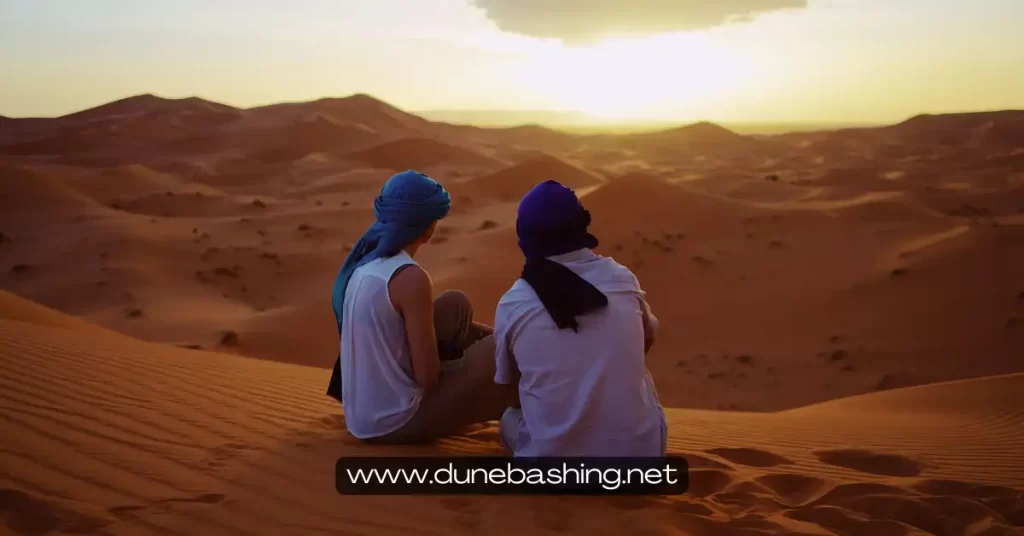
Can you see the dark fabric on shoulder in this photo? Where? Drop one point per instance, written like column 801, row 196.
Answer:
column 334, row 388
column 564, row 294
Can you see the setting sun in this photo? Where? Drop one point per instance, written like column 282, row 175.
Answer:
column 637, row 78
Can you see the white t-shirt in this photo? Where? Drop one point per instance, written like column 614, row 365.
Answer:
column 585, row 393
column 379, row 392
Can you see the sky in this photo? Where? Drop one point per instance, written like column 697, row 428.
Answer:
column 665, row 60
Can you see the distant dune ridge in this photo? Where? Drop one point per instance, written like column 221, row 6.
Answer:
column 580, row 122
column 511, row 184
column 422, row 153
column 842, row 316
column 994, row 129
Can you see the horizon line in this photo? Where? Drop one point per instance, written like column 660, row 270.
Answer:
column 592, row 121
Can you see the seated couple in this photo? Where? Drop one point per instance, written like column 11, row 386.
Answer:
column 563, row 369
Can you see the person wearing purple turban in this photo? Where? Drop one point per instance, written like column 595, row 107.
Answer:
column 572, row 335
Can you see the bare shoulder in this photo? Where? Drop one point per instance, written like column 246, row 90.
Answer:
column 409, row 284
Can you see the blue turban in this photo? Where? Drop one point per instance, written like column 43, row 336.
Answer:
column 407, row 205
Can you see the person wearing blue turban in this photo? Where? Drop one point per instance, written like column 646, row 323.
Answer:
column 410, row 367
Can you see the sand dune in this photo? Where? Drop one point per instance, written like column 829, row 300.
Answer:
column 318, row 133
column 742, row 242
column 36, row 190
column 998, row 129
column 131, row 180
column 356, row 110
column 846, row 279
column 150, row 104
column 423, row 154
column 117, row 436
column 145, row 122
column 741, row 279
column 514, row 144
column 696, row 143
column 19, row 309
column 62, row 144
column 512, row 183
column 703, row 133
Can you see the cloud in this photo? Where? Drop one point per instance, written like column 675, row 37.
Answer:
column 580, row 21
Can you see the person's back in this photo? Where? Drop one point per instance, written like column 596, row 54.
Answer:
column 585, row 393
column 379, row 392
column 572, row 334
column 394, row 334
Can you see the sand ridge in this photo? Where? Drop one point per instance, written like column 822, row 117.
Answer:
column 511, row 184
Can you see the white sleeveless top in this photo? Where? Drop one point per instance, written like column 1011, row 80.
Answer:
column 379, row 392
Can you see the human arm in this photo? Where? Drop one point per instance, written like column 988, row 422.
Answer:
column 506, row 369
column 478, row 331
column 647, row 319
column 650, row 323
column 412, row 293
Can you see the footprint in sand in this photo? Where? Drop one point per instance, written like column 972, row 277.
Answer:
column 974, row 502
column 792, row 488
column 910, row 511
column 968, row 490
column 845, row 492
column 874, row 463
column 741, row 500
column 706, row 482
column 750, row 457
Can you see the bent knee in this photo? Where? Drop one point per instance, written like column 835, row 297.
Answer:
column 451, row 299
column 453, row 317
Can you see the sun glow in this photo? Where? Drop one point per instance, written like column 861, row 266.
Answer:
column 640, row 78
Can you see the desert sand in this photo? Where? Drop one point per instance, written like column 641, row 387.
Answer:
column 112, row 435
column 842, row 312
